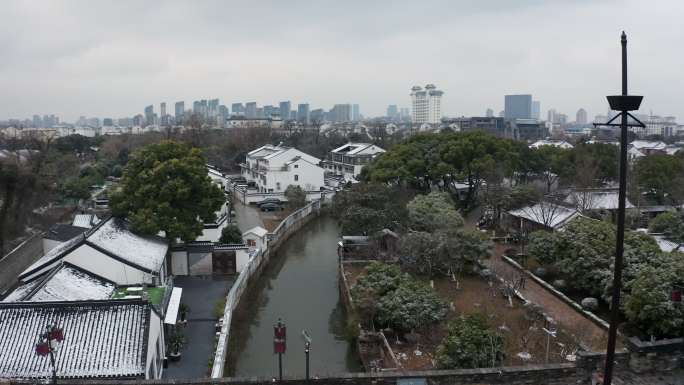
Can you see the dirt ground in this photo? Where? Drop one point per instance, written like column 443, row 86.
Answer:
column 272, row 219
column 524, row 339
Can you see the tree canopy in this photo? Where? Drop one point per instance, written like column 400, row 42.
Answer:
column 432, row 212
column 296, row 197
column 367, row 208
column 165, row 187
column 470, row 343
column 231, row 234
column 670, row 224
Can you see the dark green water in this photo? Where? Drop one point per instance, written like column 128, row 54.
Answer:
column 300, row 285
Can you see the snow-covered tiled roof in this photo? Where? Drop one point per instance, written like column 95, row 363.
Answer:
column 357, row 148
column 596, row 200
column 101, row 338
column 85, row 220
column 21, row 291
column 647, row 144
column 258, row 231
column 53, row 256
column 114, row 237
column 547, row 214
column 68, row 283
column 548, row 142
column 62, row 233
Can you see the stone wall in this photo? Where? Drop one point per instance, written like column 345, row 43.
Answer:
column 661, row 355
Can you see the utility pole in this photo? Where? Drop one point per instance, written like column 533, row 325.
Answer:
column 279, row 344
column 623, row 103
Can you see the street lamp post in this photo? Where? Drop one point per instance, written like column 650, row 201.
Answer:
column 623, row 103
column 307, row 350
column 279, row 344
column 48, row 343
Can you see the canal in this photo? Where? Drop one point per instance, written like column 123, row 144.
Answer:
column 300, row 284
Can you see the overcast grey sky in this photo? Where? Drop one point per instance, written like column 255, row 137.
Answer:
column 111, row 58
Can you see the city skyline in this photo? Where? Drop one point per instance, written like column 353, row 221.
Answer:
column 52, row 68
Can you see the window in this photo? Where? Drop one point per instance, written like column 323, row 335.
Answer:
column 296, row 178
column 278, row 186
column 296, row 166
column 251, row 242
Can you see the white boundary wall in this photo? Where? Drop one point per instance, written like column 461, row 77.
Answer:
column 251, row 271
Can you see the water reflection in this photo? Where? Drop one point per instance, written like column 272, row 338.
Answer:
column 299, row 285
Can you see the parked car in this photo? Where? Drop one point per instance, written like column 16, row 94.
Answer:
column 270, row 207
column 270, row 200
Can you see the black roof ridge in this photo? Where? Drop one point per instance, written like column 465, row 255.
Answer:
column 45, row 278
column 95, row 303
column 79, row 268
column 57, row 257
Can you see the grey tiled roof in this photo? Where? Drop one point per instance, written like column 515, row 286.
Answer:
column 101, row 338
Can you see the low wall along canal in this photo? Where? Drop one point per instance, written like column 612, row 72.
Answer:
column 299, row 284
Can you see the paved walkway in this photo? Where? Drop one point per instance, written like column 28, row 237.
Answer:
column 200, row 294
column 247, row 216
column 581, row 327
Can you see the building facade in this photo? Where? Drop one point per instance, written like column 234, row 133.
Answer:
column 349, row 159
column 518, row 107
column 427, row 104
column 274, row 168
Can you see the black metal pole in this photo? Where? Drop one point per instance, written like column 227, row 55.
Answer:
column 617, row 275
column 306, row 351
column 280, row 367
column 52, row 362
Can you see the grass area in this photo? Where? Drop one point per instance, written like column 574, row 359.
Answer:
column 155, row 295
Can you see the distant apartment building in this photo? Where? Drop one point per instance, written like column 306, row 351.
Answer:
column 149, row 115
column 340, row 113
column 179, row 111
column 274, row 168
column 392, row 112
column 489, row 113
column 581, row 116
column 518, row 107
column 303, row 115
column 349, row 159
column 318, row 115
column 356, row 113
column 251, row 110
column 490, row 124
column 285, row 108
column 427, row 104
column 237, row 109
column 536, row 109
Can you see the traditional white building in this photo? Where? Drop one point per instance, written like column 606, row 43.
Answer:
column 274, row 168
column 426, row 104
column 349, row 159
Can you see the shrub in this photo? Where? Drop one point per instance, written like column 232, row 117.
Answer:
column 470, row 343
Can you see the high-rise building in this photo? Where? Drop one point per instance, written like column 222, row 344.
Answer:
column 179, row 110
column 489, row 113
column 518, row 107
column 356, row 113
column 237, row 109
column 37, row 121
column 536, row 111
column 149, row 115
column 107, row 122
column 318, row 115
column 392, row 112
column 340, row 113
column 426, row 104
column 581, row 117
column 251, row 110
column 285, row 108
column 303, row 113
column 404, row 114
column 163, row 108
column 212, row 108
